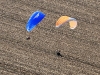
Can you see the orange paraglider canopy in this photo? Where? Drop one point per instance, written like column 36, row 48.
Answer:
column 73, row 24
column 63, row 19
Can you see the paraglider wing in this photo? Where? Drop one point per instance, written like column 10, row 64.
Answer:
column 34, row 19
column 73, row 24
column 63, row 19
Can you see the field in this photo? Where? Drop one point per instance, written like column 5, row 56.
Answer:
column 80, row 47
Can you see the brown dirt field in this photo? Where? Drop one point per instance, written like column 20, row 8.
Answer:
column 80, row 47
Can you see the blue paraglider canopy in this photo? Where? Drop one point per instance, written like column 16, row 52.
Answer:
column 34, row 19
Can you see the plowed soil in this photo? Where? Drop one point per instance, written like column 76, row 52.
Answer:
column 80, row 48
